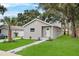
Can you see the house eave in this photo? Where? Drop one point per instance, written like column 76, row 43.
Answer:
column 37, row 20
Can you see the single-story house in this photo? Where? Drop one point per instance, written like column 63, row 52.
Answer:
column 16, row 30
column 41, row 29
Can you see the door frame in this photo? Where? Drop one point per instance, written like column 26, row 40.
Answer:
column 42, row 33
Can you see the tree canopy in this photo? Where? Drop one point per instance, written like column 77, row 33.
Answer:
column 2, row 9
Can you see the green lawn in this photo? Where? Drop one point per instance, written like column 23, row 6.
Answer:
column 62, row 46
column 11, row 45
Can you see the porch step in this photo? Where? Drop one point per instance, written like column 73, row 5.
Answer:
column 44, row 38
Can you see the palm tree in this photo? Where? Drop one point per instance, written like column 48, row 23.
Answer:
column 9, row 22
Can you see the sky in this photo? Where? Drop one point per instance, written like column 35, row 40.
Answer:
column 14, row 8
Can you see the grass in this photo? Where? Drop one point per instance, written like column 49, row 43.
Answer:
column 11, row 45
column 62, row 46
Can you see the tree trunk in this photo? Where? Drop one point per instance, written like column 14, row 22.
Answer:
column 73, row 27
column 9, row 34
column 67, row 28
column 64, row 31
column 64, row 28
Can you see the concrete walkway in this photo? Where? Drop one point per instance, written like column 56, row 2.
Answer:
column 3, row 53
column 2, row 40
column 25, row 46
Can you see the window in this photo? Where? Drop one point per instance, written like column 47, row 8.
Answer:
column 32, row 29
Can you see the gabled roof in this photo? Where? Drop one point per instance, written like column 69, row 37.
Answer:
column 37, row 20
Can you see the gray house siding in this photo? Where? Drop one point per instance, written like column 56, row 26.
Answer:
column 4, row 31
column 18, row 29
column 38, row 30
column 41, row 29
column 57, row 32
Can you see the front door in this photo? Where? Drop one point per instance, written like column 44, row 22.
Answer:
column 48, row 32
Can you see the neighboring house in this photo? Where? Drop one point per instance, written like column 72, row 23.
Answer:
column 41, row 29
column 16, row 30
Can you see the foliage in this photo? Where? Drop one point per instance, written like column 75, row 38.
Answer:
column 69, row 10
column 9, row 21
column 2, row 9
column 27, row 16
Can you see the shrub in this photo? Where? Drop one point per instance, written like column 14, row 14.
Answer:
column 22, row 38
column 39, row 39
column 30, row 37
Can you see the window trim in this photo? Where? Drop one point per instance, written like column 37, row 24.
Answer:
column 32, row 29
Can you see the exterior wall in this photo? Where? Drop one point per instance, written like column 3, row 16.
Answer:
column 38, row 30
column 52, row 33
column 57, row 32
column 20, row 33
column 4, row 31
column 57, row 23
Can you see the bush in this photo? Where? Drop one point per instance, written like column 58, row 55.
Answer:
column 30, row 37
column 39, row 39
column 22, row 38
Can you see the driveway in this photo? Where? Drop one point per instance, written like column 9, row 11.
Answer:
column 3, row 53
